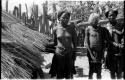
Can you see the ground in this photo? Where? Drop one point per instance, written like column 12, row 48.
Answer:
column 81, row 65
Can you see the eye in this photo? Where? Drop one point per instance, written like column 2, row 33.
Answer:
column 64, row 19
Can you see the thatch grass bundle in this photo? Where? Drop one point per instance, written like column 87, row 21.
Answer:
column 9, row 69
column 21, row 49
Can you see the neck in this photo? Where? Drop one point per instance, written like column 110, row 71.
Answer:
column 64, row 25
column 113, row 22
column 95, row 26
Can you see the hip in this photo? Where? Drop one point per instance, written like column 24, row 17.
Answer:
column 64, row 50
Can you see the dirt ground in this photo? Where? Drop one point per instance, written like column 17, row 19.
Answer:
column 81, row 65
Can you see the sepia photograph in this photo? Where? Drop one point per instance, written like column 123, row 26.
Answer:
column 61, row 40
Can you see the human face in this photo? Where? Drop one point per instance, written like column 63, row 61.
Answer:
column 94, row 22
column 111, row 16
column 64, row 19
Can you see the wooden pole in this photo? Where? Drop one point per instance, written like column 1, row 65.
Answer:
column 26, row 10
column 39, row 24
column 20, row 11
column 6, row 5
column 35, row 15
column 42, row 28
column 46, row 20
column 36, row 18
column 24, row 17
column 43, row 20
column 55, row 13
column 26, row 13
column 54, row 22
column 15, row 11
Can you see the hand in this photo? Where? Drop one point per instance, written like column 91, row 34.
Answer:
column 114, row 30
column 49, row 49
column 120, row 45
column 115, row 44
column 46, row 45
column 74, row 56
column 58, row 52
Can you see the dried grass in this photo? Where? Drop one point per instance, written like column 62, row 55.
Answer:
column 21, row 49
column 11, row 70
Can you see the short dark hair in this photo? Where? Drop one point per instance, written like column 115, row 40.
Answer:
column 62, row 12
column 113, row 11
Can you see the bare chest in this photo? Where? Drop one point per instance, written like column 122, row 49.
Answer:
column 94, row 33
column 63, row 33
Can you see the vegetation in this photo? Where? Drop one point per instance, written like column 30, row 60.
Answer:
column 21, row 49
column 82, row 9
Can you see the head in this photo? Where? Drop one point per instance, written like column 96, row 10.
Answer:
column 94, row 19
column 64, row 17
column 111, row 15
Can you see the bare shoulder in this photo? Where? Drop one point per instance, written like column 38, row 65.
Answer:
column 119, row 26
column 104, row 28
column 71, row 26
column 54, row 29
column 88, row 28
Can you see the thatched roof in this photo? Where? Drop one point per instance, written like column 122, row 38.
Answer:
column 21, row 48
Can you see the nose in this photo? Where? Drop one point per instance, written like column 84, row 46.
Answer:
column 65, row 19
column 111, row 17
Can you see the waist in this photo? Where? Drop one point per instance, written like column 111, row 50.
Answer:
column 96, row 61
column 64, row 48
column 100, row 45
column 113, row 48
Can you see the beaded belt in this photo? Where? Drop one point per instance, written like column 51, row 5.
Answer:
column 61, row 48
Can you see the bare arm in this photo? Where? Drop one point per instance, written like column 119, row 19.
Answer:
column 54, row 42
column 87, row 43
column 108, row 39
column 74, row 41
column 118, row 32
column 74, row 38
